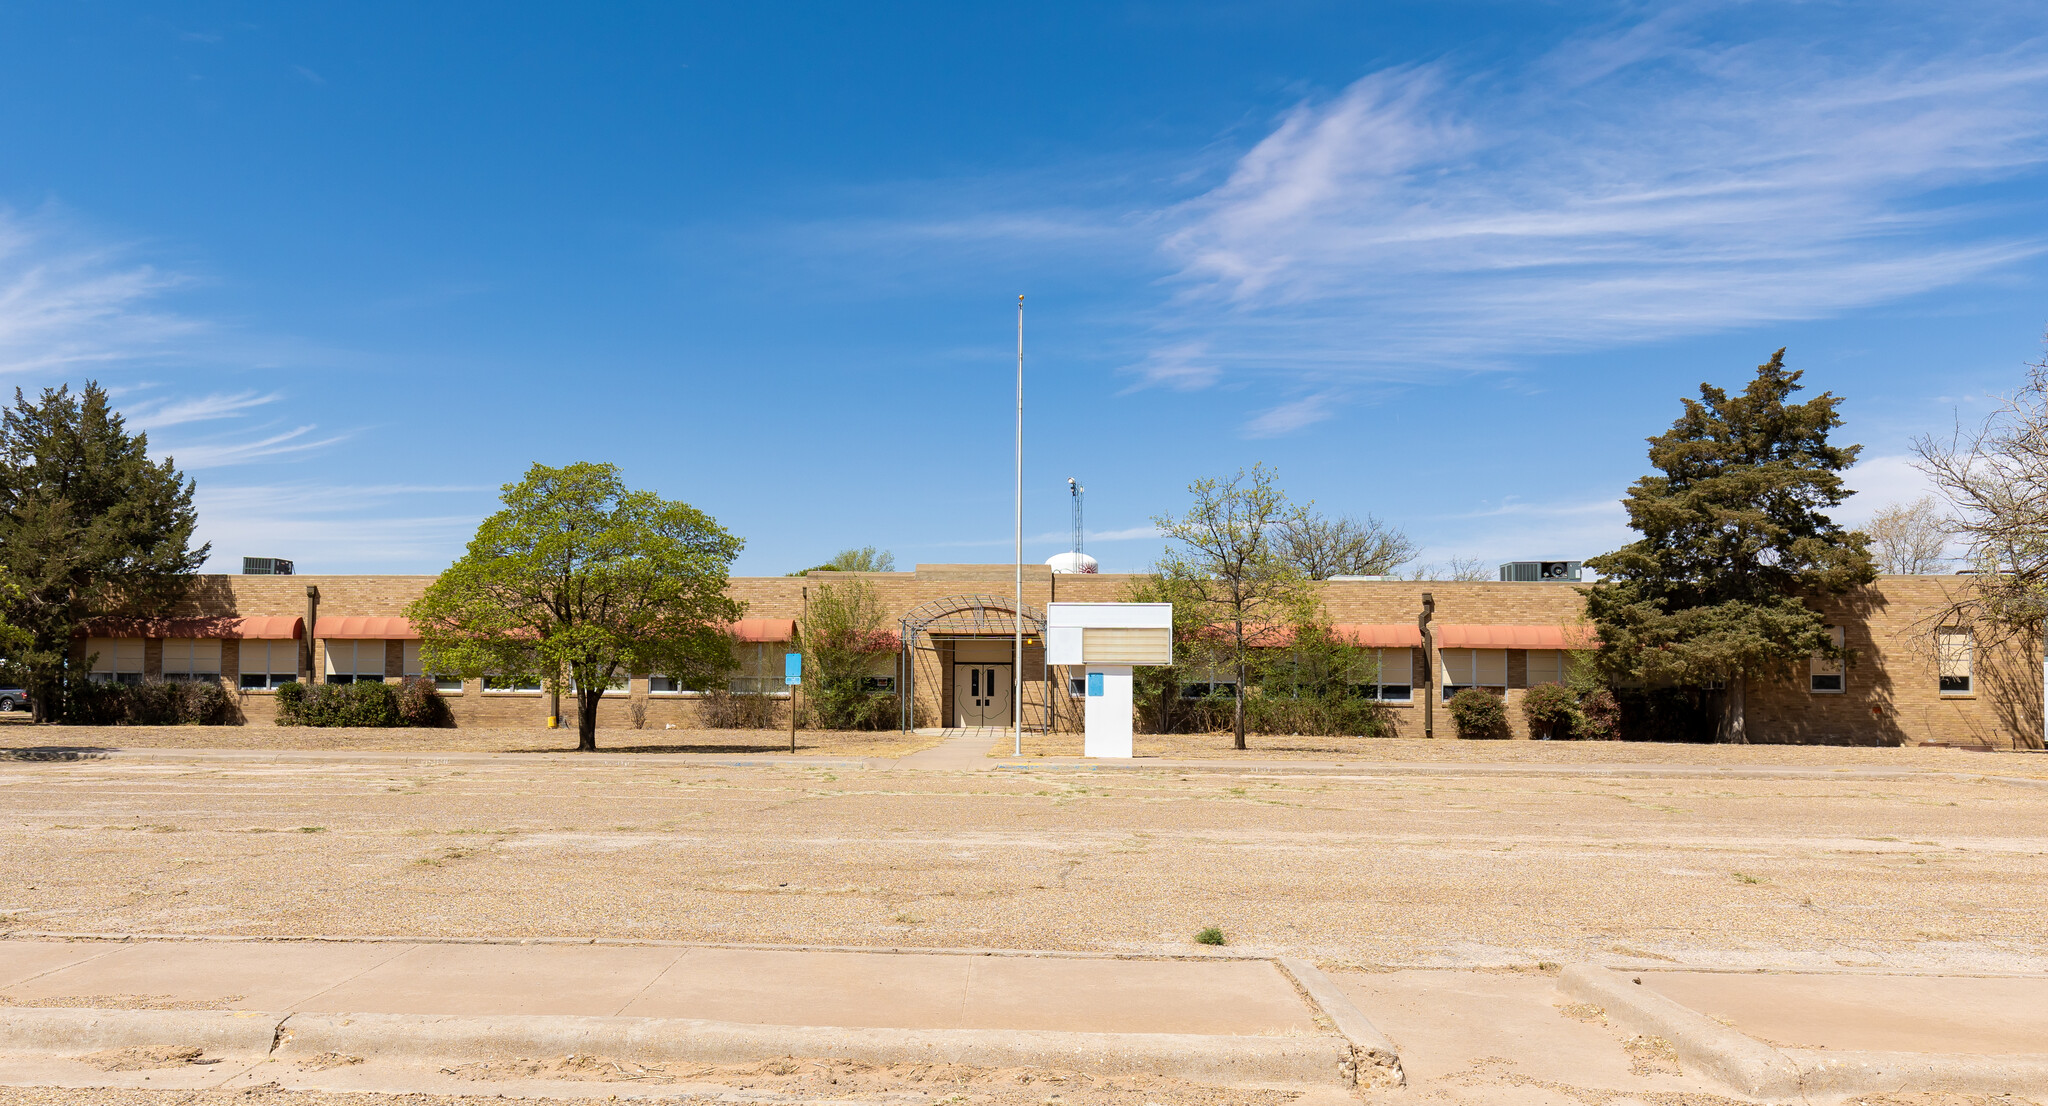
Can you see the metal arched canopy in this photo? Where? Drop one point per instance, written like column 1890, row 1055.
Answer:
column 971, row 614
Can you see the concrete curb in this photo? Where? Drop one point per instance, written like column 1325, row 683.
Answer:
column 1375, row 1062
column 74, row 1031
column 1213, row 1059
column 1740, row 1061
column 1756, row 1069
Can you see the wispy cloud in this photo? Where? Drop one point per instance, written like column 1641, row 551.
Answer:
column 65, row 303
column 219, row 454
column 1429, row 220
column 1291, row 416
column 350, row 527
column 157, row 413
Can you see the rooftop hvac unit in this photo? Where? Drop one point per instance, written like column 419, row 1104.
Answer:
column 266, row 566
column 1531, row 572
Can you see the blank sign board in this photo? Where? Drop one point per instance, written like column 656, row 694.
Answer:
column 1109, row 633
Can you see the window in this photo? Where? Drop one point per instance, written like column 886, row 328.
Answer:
column 187, row 658
column 442, row 682
column 878, row 684
column 1824, row 676
column 658, row 684
column 1953, row 651
column 761, row 667
column 269, row 663
column 355, row 662
column 617, row 685
column 1077, row 687
column 1546, row 666
column 1465, row 668
column 1394, row 676
column 502, row 685
column 115, row 659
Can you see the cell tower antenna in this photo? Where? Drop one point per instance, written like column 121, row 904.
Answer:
column 1075, row 489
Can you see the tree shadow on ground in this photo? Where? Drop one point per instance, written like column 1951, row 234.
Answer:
column 57, row 752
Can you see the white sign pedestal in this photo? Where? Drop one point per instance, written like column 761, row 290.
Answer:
column 1107, row 713
column 1106, row 641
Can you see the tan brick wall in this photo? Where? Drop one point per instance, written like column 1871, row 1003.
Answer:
column 1890, row 697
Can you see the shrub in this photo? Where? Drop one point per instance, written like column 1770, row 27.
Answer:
column 158, row 703
column 720, row 709
column 1599, row 716
column 1665, row 714
column 1209, row 936
column 1479, row 714
column 364, row 704
column 1332, row 713
column 844, row 703
column 1551, row 710
column 420, row 704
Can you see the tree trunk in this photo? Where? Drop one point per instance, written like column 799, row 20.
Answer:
column 586, row 719
column 1734, row 722
column 1238, row 707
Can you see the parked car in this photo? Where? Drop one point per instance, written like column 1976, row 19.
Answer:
column 13, row 698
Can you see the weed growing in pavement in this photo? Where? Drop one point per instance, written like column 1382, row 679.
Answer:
column 312, row 829
column 1744, row 877
column 1209, row 936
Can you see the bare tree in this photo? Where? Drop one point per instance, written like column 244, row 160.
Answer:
column 1995, row 479
column 1911, row 539
column 1324, row 547
column 1456, row 568
column 1225, row 565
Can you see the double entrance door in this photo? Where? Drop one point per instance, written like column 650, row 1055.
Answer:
column 981, row 694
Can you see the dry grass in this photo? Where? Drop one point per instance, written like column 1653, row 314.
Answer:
column 1380, row 868
column 1448, row 750
column 886, row 743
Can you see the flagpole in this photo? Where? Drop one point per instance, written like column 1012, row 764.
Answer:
column 1017, row 669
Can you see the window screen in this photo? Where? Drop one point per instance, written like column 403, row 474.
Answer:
column 1825, row 675
column 1394, row 678
column 442, row 681
column 116, row 659
column 188, row 658
column 269, row 663
column 355, row 661
column 1546, row 666
column 1953, row 654
column 1465, row 668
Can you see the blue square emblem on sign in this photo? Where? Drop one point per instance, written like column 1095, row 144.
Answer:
column 1095, row 684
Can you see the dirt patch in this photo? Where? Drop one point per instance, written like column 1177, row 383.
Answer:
column 83, row 742
column 147, row 1058
column 322, row 1061
column 122, row 1002
column 843, row 1077
column 1410, row 750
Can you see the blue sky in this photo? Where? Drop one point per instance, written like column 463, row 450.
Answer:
column 356, row 265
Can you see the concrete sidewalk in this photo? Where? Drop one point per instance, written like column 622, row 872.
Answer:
column 1224, row 997
column 261, row 1004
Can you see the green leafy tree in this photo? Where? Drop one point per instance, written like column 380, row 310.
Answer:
column 1227, row 563
column 865, row 559
column 1734, row 543
column 580, row 582
column 88, row 526
column 845, row 628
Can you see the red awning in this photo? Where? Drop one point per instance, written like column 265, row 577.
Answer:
column 764, row 629
column 1393, row 635
column 261, row 627
column 366, row 628
column 1451, row 635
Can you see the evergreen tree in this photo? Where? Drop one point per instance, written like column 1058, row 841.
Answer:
column 88, row 526
column 1734, row 543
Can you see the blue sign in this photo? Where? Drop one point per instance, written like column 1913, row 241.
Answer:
column 1095, row 684
column 792, row 668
